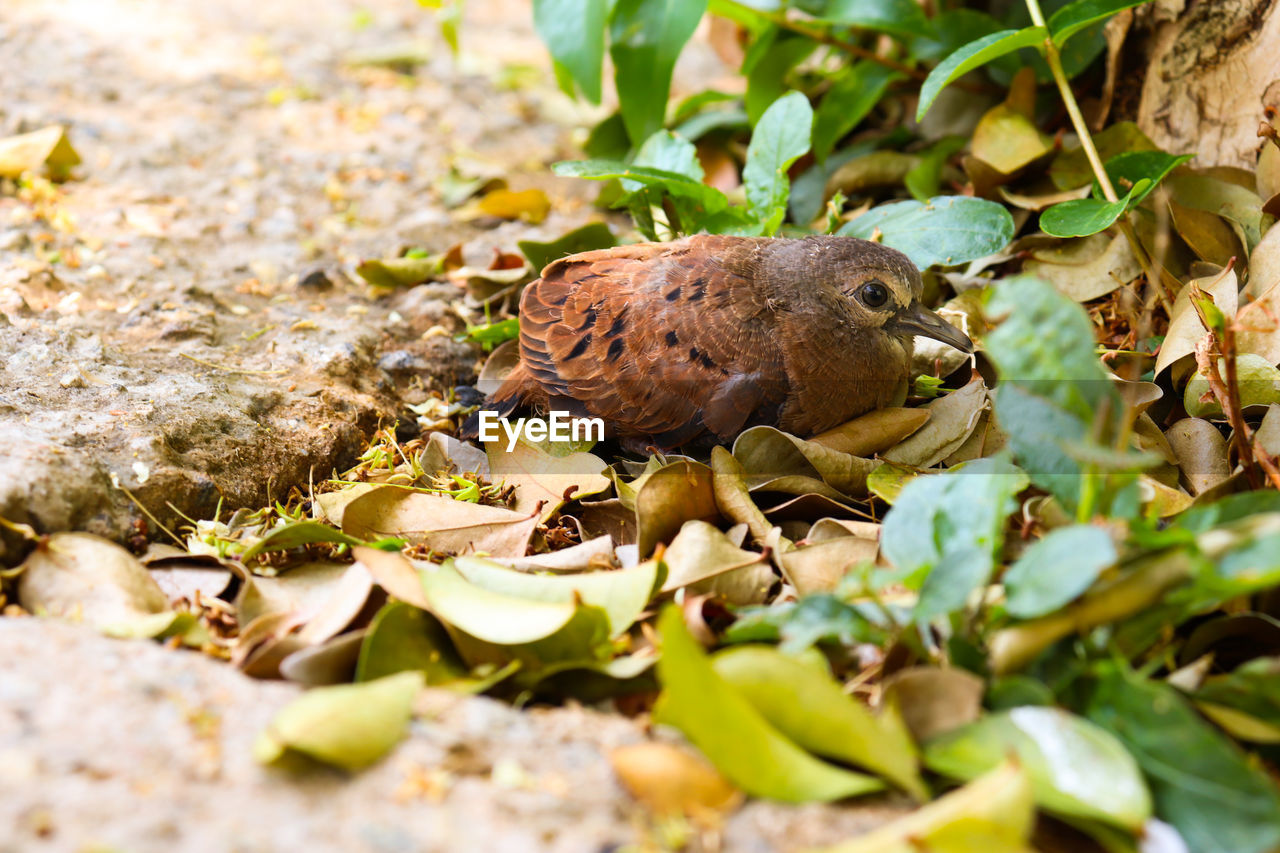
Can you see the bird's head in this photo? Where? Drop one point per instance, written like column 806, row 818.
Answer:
column 881, row 286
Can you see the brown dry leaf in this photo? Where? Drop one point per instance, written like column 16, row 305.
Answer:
column 500, row 362
column 729, row 482
column 934, row 700
column 596, row 553
column 47, row 147
column 330, row 662
column 331, row 505
column 543, row 480
column 610, row 518
column 952, row 419
column 704, row 561
column 1268, row 434
column 779, row 462
column 344, row 603
column 987, row 439
column 676, row 493
column 396, row 575
column 530, row 206
column 1260, row 319
column 873, row 432
column 1206, row 234
column 1006, row 138
column 1201, row 451
column 439, row 523
column 1185, row 328
column 819, row 567
column 85, row 578
column 1086, row 268
column 669, row 780
column 1042, row 200
column 182, row 575
column 444, row 452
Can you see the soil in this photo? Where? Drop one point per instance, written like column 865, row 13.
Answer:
column 182, row 329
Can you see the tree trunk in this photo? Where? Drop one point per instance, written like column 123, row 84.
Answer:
column 1213, row 72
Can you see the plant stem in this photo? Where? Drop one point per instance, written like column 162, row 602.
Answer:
column 1095, row 161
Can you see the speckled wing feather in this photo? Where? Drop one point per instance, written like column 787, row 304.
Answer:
column 661, row 340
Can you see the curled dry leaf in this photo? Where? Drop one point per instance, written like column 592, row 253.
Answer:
column 86, row 578
column 732, row 496
column 1086, row 268
column 873, row 432
column 704, row 560
column 820, row 566
column 330, row 662
column 952, row 419
column 596, row 553
column 439, row 523
column 1201, row 451
column 676, row 493
column 670, row 780
column 1185, row 328
column 778, row 462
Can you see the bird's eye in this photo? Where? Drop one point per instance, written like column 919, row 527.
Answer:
column 873, row 294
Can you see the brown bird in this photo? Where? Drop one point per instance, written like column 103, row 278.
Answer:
column 706, row 336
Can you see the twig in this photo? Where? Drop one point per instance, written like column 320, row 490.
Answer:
column 1221, row 343
column 232, row 369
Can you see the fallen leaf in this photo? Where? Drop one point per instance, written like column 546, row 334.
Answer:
column 350, row 726
column 1185, row 328
column 545, row 481
column 669, row 780
column 439, row 523
column 47, row 147
column 530, row 206
column 873, row 432
column 952, row 419
column 798, row 697
column 737, row 739
column 1086, row 268
column 1201, row 451
column 702, row 559
column 934, row 700
column 672, row 495
column 330, row 662
column 85, row 578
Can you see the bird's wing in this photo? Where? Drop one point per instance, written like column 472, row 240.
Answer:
column 662, row 340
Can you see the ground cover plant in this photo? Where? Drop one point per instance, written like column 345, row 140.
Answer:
column 1040, row 600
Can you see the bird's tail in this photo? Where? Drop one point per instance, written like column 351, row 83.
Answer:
column 513, row 393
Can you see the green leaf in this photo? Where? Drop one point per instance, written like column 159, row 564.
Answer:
column 1051, row 382
column 944, row 531
column 646, row 37
column 733, row 734
column 706, row 199
column 403, row 638
column 297, row 533
column 800, row 699
column 493, row 617
column 621, row 593
column 1085, row 216
column 945, row 230
column 350, row 726
column 780, row 138
column 847, row 102
column 994, row 814
column 814, row 619
column 973, row 55
column 596, row 235
column 1213, row 794
column 767, row 64
column 925, row 178
column 573, row 31
column 900, row 17
column 1073, row 17
column 1077, row 768
column 1128, row 169
column 1055, row 570
column 670, row 153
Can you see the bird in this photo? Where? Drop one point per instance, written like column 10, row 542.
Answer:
column 700, row 338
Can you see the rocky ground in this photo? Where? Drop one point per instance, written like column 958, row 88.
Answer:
column 182, row 322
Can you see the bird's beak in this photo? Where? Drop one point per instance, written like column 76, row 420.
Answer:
column 918, row 320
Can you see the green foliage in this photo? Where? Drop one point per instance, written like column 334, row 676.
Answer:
column 947, row 230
